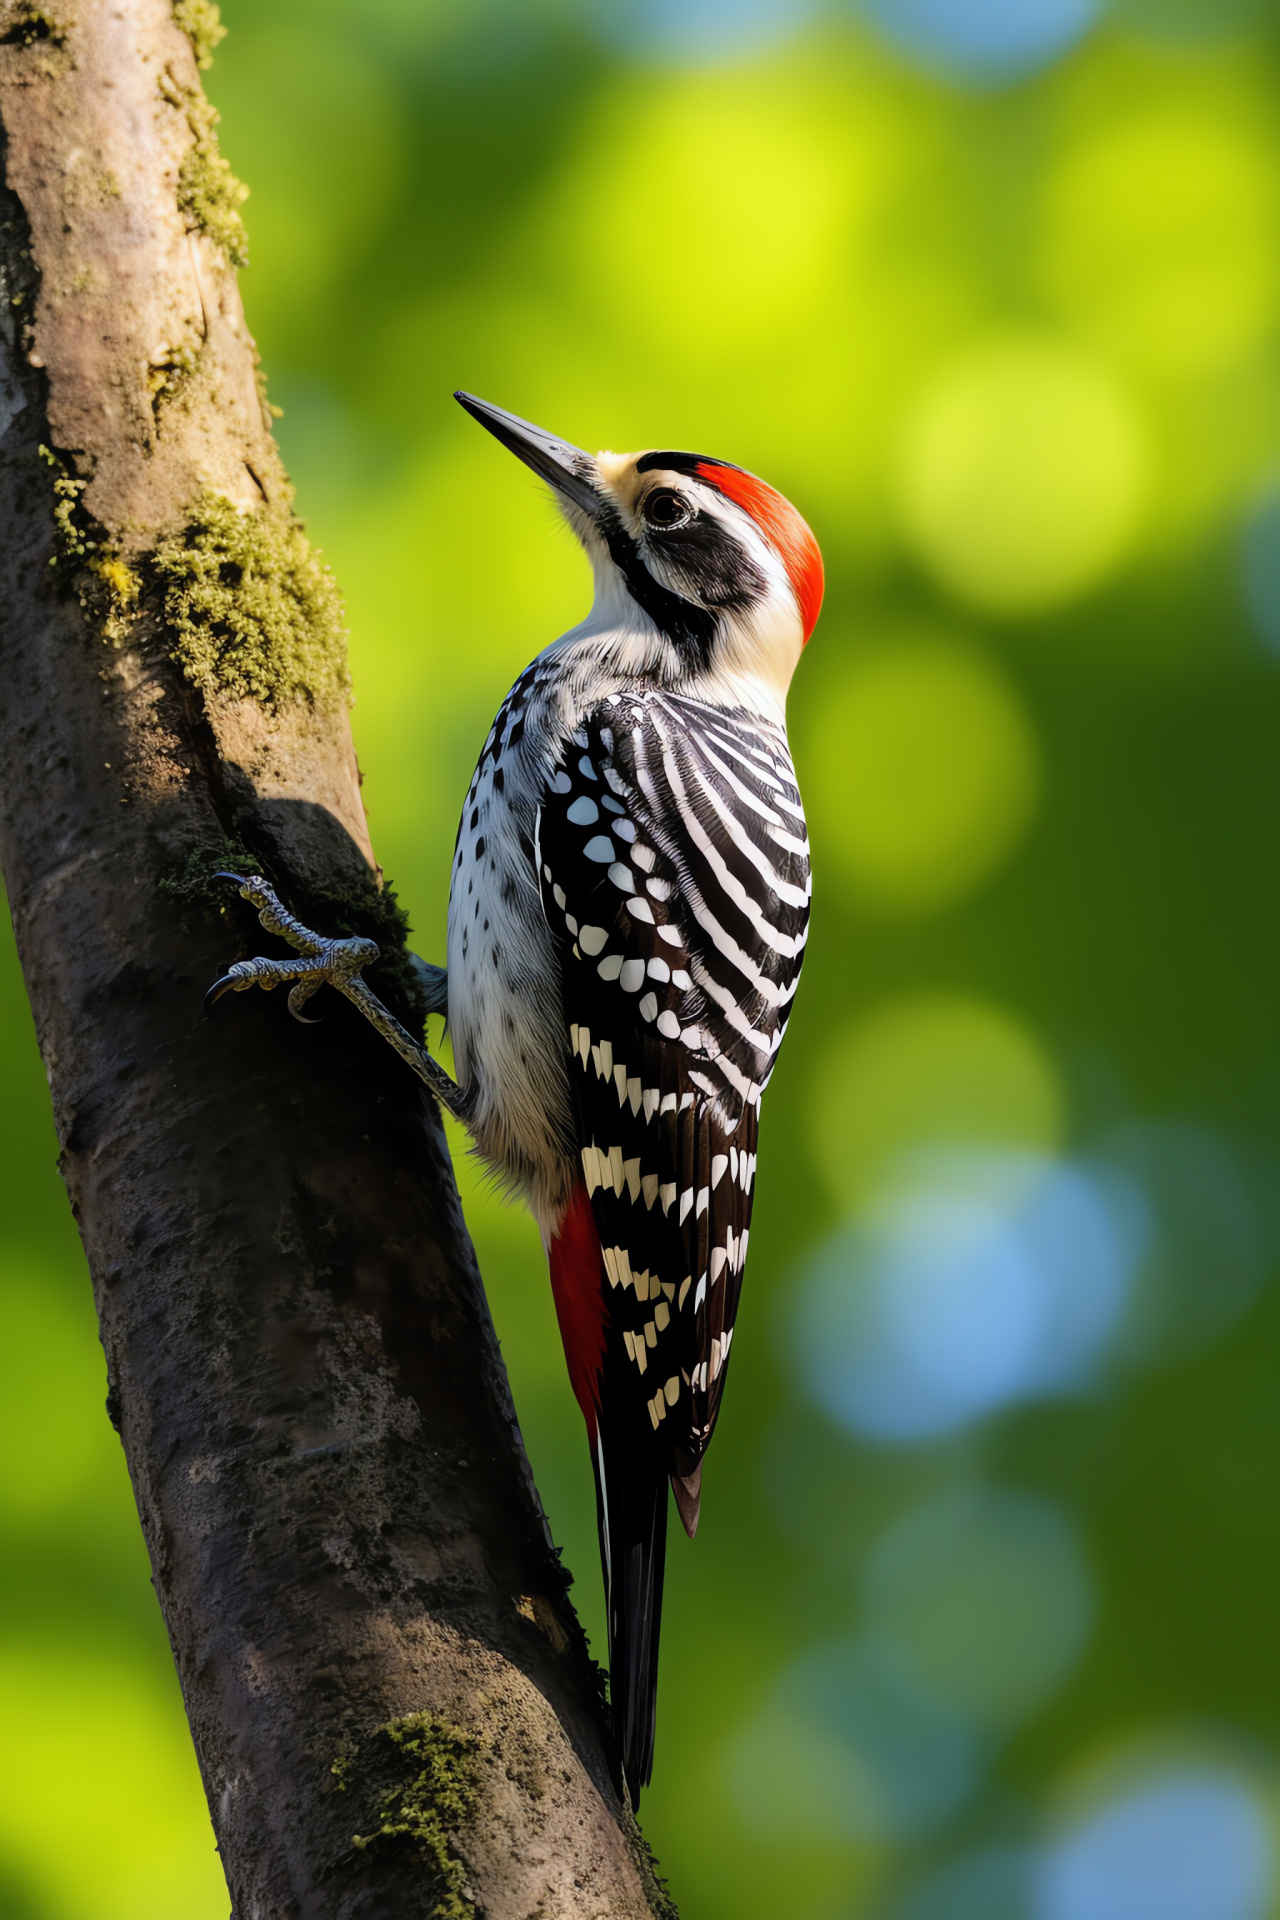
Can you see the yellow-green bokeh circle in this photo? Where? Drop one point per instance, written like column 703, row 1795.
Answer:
column 101, row 1812
column 926, row 1070
column 923, row 774
column 1021, row 474
column 1158, row 239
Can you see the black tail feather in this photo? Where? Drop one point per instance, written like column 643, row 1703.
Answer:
column 631, row 1507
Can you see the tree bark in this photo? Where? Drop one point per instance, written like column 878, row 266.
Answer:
column 391, row 1698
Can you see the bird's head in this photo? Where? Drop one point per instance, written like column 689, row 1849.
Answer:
column 700, row 569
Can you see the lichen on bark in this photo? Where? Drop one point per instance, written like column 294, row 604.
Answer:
column 254, row 612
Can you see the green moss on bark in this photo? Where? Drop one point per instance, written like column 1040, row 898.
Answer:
column 194, row 887
column 200, row 21
column 254, row 612
column 419, row 1776
column 108, row 587
column 32, row 24
column 72, row 543
column 208, row 192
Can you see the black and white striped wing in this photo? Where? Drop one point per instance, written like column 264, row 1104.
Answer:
column 675, row 877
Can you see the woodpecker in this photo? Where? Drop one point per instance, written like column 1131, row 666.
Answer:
column 628, row 911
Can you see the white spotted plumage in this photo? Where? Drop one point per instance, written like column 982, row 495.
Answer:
column 690, row 1030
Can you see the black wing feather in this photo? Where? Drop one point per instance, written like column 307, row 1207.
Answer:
column 674, row 875
column 657, row 931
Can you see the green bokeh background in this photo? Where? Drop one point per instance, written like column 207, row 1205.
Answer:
column 1007, row 334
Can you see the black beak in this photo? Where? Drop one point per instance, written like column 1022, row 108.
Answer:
column 568, row 469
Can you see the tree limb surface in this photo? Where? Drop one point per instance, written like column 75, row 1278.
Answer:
column 391, row 1698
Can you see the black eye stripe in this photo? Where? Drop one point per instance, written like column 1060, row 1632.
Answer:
column 704, row 557
column 689, row 627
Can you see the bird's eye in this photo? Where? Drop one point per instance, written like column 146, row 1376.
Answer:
column 664, row 507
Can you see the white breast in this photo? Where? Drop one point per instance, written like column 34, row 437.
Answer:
column 505, row 1012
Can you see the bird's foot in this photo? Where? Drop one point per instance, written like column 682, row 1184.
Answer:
column 334, row 963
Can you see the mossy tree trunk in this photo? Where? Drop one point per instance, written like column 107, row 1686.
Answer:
column 390, row 1696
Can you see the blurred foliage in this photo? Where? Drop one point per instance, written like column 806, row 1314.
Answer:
column 979, row 1624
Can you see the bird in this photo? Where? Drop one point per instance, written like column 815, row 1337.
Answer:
column 628, row 914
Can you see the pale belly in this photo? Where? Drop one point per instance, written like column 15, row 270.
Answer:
column 505, row 1011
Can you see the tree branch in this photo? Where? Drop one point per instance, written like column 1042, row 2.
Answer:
column 391, row 1698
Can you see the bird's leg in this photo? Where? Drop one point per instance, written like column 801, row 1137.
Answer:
column 336, row 963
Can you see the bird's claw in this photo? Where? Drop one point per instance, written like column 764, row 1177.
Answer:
column 334, row 963
column 340, row 964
